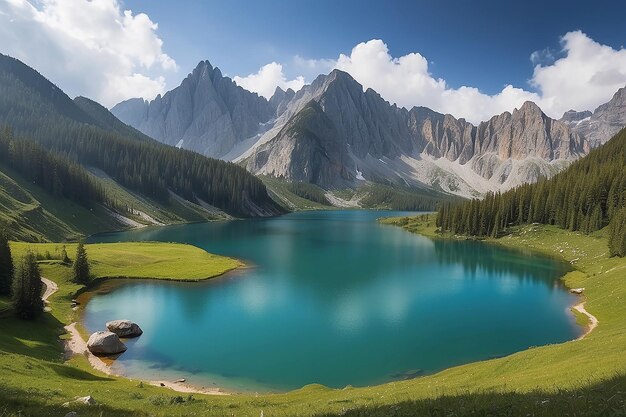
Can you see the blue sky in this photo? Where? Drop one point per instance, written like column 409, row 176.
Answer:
column 473, row 59
column 486, row 44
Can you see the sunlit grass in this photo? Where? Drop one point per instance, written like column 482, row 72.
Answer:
column 583, row 377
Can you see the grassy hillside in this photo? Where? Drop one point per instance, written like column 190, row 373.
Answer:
column 31, row 214
column 85, row 133
column 584, row 377
column 283, row 192
column 34, row 215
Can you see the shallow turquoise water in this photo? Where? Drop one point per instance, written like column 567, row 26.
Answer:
column 334, row 298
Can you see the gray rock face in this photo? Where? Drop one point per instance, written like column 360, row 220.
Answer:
column 572, row 117
column 308, row 148
column 124, row 328
column 207, row 113
column 281, row 99
column 606, row 120
column 358, row 130
column 333, row 132
column 105, row 343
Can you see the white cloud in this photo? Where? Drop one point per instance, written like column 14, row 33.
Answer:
column 91, row 48
column 407, row 82
column 586, row 76
column 265, row 81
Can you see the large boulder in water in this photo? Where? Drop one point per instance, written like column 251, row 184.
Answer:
column 124, row 328
column 105, row 343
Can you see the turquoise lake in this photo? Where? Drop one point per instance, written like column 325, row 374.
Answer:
column 332, row 297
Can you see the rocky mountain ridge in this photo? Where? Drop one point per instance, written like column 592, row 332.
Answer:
column 601, row 125
column 207, row 113
column 334, row 133
column 380, row 142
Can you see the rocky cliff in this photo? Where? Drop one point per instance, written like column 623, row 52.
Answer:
column 207, row 113
column 380, row 142
column 604, row 123
column 334, row 133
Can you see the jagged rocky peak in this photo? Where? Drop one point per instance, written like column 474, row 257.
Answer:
column 207, row 113
column 606, row 120
column 527, row 132
column 571, row 117
column 280, row 100
column 308, row 148
column 530, row 109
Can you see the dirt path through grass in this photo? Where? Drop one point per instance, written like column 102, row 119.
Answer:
column 51, row 288
column 593, row 321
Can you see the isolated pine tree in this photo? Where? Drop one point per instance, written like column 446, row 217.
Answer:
column 64, row 258
column 6, row 266
column 27, row 288
column 82, row 274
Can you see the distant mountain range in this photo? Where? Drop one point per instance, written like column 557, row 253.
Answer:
column 335, row 134
column 601, row 125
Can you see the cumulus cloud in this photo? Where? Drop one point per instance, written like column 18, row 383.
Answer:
column 87, row 47
column 265, row 81
column 408, row 82
column 587, row 75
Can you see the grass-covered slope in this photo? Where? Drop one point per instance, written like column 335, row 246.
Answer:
column 29, row 213
column 87, row 134
column 584, row 377
column 137, row 260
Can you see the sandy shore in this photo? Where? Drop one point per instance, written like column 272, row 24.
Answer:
column 76, row 345
column 593, row 321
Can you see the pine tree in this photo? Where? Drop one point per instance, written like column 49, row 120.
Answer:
column 64, row 258
column 82, row 274
column 6, row 266
column 27, row 288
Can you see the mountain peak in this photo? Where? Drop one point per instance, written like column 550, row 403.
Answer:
column 342, row 78
column 203, row 65
column 203, row 69
column 530, row 107
column 620, row 96
column 338, row 74
column 278, row 91
column 572, row 116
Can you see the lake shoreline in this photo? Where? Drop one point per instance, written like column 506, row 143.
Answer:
column 430, row 232
column 391, row 380
column 76, row 345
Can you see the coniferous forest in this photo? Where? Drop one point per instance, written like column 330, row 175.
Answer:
column 586, row 197
column 57, row 175
column 35, row 108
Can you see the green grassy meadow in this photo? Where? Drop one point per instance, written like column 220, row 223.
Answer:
column 576, row 378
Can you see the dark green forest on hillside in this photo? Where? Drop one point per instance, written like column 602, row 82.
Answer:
column 587, row 196
column 58, row 176
column 35, row 108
